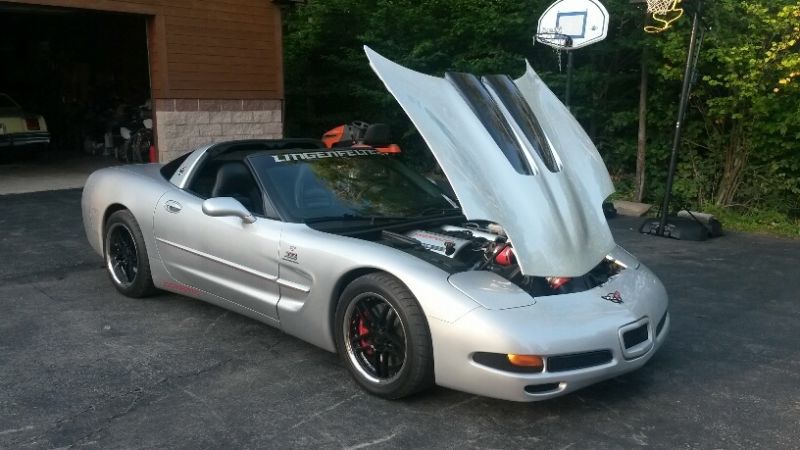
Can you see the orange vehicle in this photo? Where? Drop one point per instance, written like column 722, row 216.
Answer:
column 361, row 134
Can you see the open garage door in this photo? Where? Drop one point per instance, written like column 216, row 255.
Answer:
column 84, row 73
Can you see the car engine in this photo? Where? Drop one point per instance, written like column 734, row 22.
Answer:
column 484, row 246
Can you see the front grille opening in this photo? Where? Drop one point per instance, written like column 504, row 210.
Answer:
column 635, row 337
column 563, row 363
column 661, row 323
column 500, row 361
column 541, row 388
column 540, row 287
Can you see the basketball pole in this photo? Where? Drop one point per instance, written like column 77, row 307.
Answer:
column 688, row 74
column 568, row 94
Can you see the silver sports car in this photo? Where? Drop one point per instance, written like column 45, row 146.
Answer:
column 512, row 288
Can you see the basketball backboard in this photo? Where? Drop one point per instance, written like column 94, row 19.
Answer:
column 584, row 21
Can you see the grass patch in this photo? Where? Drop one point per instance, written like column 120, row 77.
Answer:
column 756, row 221
column 749, row 220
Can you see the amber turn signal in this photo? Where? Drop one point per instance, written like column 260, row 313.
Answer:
column 525, row 360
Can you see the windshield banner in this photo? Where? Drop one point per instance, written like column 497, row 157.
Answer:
column 286, row 157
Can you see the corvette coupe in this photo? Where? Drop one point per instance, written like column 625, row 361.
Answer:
column 512, row 288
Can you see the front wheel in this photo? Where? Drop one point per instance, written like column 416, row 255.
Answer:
column 126, row 256
column 383, row 338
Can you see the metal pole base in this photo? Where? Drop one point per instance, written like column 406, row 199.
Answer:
column 675, row 228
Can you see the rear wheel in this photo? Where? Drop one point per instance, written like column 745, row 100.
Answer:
column 383, row 338
column 126, row 256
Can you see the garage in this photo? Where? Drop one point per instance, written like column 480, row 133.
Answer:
column 109, row 77
column 85, row 72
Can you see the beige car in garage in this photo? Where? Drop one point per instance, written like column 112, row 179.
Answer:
column 19, row 128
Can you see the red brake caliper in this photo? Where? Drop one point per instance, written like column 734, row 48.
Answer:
column 362, row 330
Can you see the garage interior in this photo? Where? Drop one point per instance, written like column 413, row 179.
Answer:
column 212, row 71
column 85, row 71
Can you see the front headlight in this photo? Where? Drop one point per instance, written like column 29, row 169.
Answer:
column 624, row 259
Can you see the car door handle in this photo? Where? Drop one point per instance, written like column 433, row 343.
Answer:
column 173, row 206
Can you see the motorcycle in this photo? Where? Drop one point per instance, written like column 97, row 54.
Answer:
column 137, row 137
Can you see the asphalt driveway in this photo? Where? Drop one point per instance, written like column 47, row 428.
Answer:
column 22, row 173
column 82, row 366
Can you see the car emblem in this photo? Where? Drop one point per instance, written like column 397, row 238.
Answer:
column 614, row 297
column 291, row 255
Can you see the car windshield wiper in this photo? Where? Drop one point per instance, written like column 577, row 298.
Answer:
column 425, row 214
column 433, row 212
column 352, row 218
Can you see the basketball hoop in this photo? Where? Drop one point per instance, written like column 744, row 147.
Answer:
column 567, row 25
column 664, row 12
column 553, row 37
column 583, row 21
column 659, row 6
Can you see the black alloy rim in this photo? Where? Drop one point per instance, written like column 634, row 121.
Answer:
column 375, row 338
column 123, row 263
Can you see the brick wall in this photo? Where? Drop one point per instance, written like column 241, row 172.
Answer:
column 185, row 124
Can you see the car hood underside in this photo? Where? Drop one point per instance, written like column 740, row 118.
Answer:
column 515, row 156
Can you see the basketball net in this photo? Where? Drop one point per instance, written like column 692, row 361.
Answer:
column 664, row 13
column 555, row 39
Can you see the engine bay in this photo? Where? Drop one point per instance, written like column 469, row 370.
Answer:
column 484, row 246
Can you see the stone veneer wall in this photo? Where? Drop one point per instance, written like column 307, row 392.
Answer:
column 185, row 124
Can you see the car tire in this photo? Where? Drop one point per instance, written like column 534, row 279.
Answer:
column 125, row 256
column 383, row 338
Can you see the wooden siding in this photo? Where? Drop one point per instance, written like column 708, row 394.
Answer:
column 215, row 49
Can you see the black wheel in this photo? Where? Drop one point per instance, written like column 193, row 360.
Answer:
column 136, row 147
column 126, row 256
column 383, row 338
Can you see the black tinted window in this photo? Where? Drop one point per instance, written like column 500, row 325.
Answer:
column 171, row 167
column 227, row 175
column 341, row 183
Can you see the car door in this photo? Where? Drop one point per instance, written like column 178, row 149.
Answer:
column 178, row 224
column 241, row 262
column 224, row 256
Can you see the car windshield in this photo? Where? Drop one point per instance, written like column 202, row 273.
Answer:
column 6, row 102
column 347, row 185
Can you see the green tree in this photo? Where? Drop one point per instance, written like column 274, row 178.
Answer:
column 745, row 98
column 741, row 133
column 328, row 78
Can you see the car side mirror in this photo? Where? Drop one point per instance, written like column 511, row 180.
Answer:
column 227, row 207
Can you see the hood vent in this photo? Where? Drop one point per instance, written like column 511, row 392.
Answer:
column 500, row 106
column 488, row 112
column 508, row 94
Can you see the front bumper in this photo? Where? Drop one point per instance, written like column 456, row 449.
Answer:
column 22, row 139
column 571, row 324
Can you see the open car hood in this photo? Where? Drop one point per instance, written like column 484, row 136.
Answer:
column 514, row 155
